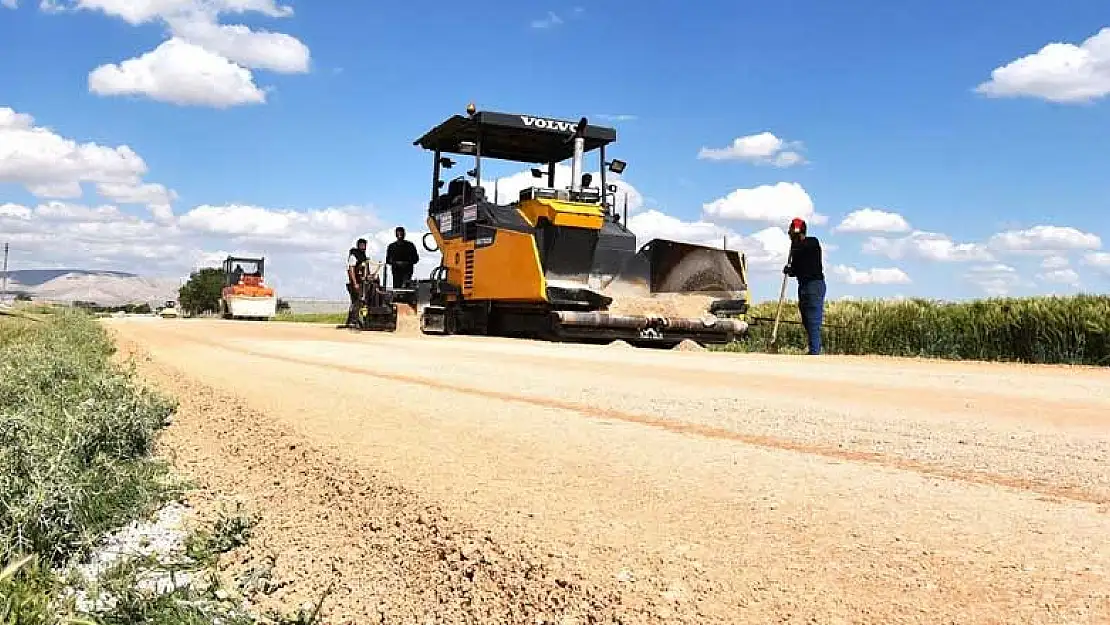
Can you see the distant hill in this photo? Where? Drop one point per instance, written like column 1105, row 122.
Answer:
column 35, row 277
column 102, row 288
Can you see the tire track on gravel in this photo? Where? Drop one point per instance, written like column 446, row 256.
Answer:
column 705, row 431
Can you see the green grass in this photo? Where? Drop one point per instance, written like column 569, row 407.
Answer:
column 37, row 308
column 76, row 436
column 227, row 533
column 1048, row 330
column 26, row 591
column 328, row 318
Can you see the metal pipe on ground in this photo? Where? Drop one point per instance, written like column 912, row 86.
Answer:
column 609, row 320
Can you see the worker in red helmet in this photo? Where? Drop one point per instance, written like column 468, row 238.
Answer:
column 806, row 267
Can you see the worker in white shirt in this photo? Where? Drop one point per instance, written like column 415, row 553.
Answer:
column 359, row 270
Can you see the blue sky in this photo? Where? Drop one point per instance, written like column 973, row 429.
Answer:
column 999, row 189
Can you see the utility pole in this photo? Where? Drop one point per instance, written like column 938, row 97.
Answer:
column 4, row 282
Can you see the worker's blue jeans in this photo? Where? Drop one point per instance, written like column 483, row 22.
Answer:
column 811, row 304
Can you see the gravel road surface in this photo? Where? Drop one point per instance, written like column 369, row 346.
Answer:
column 466, row 480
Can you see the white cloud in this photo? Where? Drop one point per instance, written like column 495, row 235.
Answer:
column 181, row 73
column 929, row 246
column 1098, row 260
column 1058, row 72
column 14, row 211
column 74, row 234
column 203, row 63
column 1050, row 241
column 51, row 166
column 276, row 52
column 136, row 12
column 995, row 279
column 150, row 193
column 768, row 248
column 1041, row 239
column 61, row 211
column 873, row 220
column 1061, row 276
column 621, row 117
column 157, row 198
column 551, row 19
column 775, row 204
column 9, row 4
column 324, row 229
column 763, row 148
column 213, row 259
column 877, row 275
column 1054, row 262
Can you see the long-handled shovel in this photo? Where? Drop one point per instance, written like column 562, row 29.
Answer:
column 771, row 346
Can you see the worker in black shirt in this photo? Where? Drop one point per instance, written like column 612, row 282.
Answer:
column 401, row 256
column 805, row 265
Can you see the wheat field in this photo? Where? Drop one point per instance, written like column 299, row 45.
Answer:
column 1047, row 330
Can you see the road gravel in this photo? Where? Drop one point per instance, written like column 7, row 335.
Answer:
column 466, row 480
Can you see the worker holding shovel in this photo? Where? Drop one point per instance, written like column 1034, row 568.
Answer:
column 805, row 266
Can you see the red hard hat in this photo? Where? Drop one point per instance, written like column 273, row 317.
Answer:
column 797, row 225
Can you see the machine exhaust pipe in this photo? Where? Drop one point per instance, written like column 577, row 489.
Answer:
column 576, row 162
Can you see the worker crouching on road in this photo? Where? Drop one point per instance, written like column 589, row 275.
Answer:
column 401, row 256
column 806, row 266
